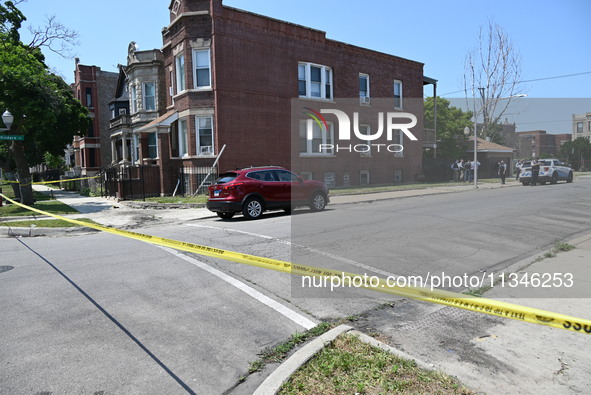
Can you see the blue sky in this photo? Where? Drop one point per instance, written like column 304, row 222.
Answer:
column 551, row 36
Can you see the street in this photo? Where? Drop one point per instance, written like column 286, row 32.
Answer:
column 99, row 312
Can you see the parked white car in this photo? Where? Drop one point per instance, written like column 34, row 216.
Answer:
column 551, row 170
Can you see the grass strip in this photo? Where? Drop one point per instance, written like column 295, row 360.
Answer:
column 46, row 223
column 350, row 366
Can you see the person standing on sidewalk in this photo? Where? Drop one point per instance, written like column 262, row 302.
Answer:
column 467, row 171
column 502, row 171
column 456, row 169
column 535, row 171
column 518, row 166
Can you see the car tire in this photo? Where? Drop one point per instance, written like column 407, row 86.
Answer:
column 253, row 208
column 554, row 178
column 225, row 215
column 318, row 202
column 524, row 183
column 569, row 179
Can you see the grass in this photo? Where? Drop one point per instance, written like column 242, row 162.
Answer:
column 46, row 223
column 350, row 366
column 42, row 202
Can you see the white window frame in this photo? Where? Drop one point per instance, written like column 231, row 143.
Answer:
column 210, row 151
column 326, row 80
column 366, row 130
column 400, row 141
column 145, row 96
column 326, row 136
column 364, row 98
column 133, row 94
column 180, row 73
column 155, row 134
column 183, row 138
column 398, row 83
column 197, row 66
column 135, row 152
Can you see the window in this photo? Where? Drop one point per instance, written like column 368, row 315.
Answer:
column 204, row 136
column 364, row 177
column 330, row 178
column 136, row 148
column 397, row 138
column 306, row 175
column 397, row 94
column 183, row 138
column 202, row 75
column 149, row 96
column 364, row 88
column 579, row 127
column 171, row 88
column 88, row 97
column 133, row 99
column 366, row 130
column 314, row 81
column 180, row 73
column 152, row 145
column 321, row 142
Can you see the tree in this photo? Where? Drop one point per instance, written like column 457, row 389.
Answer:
column 451, row 122
column 576, row 152
column 44, row 108
column 492, row 74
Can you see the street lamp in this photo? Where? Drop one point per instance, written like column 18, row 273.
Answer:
column 467, row 132
column 7, row 118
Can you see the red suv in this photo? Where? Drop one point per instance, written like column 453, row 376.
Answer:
column 257, row 189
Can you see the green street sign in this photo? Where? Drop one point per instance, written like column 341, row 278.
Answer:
column 11, row 137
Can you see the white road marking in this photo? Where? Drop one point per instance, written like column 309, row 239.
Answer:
column 281, row 309
column 312, row 250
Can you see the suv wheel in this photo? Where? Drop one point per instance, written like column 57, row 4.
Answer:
column 253, row 208
column 318, row 202
column 225, row 215
column 570, row 177
column 554, row 178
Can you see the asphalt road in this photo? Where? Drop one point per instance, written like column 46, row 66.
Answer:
column 98, row 312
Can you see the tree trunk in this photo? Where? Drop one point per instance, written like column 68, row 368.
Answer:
column 24, row 175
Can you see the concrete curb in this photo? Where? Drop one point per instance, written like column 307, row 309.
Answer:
column 9, row 231
column 277, row 378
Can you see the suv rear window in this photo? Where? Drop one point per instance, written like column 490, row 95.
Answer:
column 225, row 178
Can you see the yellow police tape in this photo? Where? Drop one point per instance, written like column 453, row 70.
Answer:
column 51, row 182
column 447, row 298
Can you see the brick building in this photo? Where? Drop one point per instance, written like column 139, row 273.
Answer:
column 582, row 126
column 539, row 144
column 94, row 88
column 243, row 82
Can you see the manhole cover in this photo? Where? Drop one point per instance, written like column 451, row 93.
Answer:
column 5, row 268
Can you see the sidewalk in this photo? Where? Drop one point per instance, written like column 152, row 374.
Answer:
column 488, row 354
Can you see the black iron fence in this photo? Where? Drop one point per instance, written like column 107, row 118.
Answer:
column 141, row 182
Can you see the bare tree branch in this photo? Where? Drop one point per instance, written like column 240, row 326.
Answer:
column 54, row 36
column 492, row 72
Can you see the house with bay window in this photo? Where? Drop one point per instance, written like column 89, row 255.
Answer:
column 241, row 89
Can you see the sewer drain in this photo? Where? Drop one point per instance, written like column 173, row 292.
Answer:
column 5, row 268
